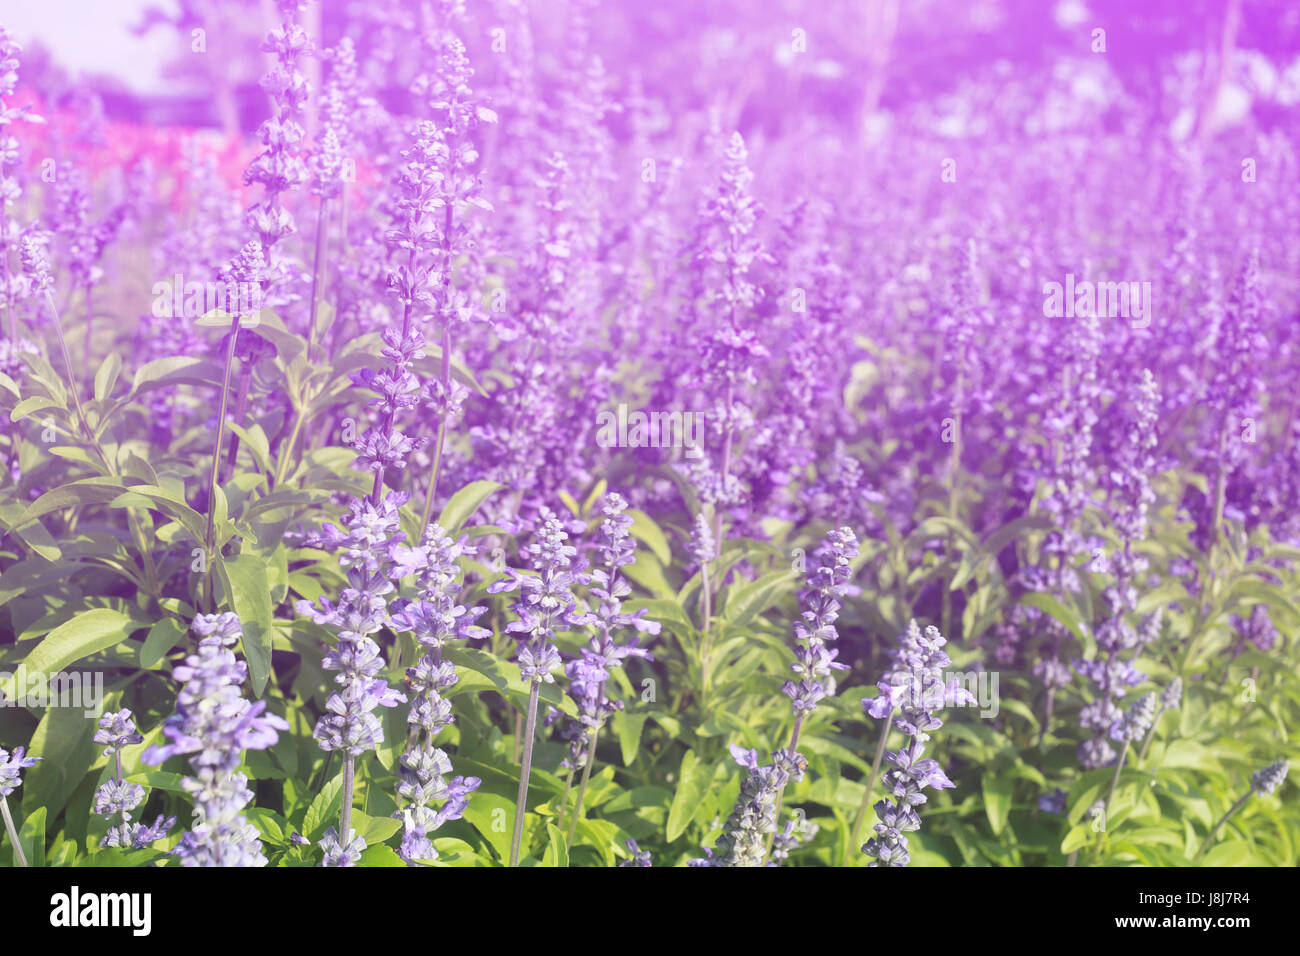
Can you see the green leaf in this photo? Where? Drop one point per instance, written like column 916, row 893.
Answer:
column 380, row 856
column 557, row 853
column 74, row 453
column 29, row 406
column 628, row 728
column 453, row 852
column 250, row 594
column 1045, row 602
column 33, row 533
column 87, row 632
column 272, row 826
column 997, row 799
column 162, row 637
column 465, row 502
column 254, row 439
column 492, row 815
column 87, row 491
column 9, row 385
column 746, row 602
column 686, row 801
column 64, row 740
column 324, row 809
column 374, row 830
column 1233, row 853
column 161, row 368
column 32, row 837
column 644, row 527
column 106, row 377
column 1078, row 836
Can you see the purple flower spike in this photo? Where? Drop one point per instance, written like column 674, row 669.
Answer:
column 214, row 724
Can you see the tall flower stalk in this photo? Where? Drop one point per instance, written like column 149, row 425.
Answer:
column 732, row 350
column 749, row 831
column 590, row 671
column 1261, row 781
column 215, row 724
column 1131, row 496
column 278, row 168
column 546, row 601
column 370, row 532
column 435, row 619
column 913, row 691
column 454, row 189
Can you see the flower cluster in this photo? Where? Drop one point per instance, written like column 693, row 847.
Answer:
column 590, row 670
column 279, row 168
column 745, row 833
column 546, row 599
column 370, row 532
column 116, row 798
column 215, row 724
column 12, row 766
column 435, row 619
column 1131, row 495
column 914, row 686
column 819, row 602
column 1270, row 778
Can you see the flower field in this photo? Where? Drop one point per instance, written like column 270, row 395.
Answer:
column 555, row 433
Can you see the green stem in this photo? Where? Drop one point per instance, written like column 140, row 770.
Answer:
column 13, row 832
column 582, row 787
column 442, row 428
column 1218, row 826
column 209, row 532
column 322, row 225
column 1146, row 742
column 521, row 801
column 870, row 785
column 345, row 812
column 564, row 800
column 281, row 468
column 1114, row 780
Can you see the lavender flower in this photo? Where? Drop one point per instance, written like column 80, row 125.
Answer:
column 370, row 532
column 638, row 856
column 1130, row 487
column 12, row 766
column 546, row 599
column 116, row 798
column 815, row 663
column 1258, row 629
column 338, row 855
column 914, row 686
column 11, row 769
column 435, row 619
column 1053, row 802
column 1270, row 778
column 215, row 724
column 589, row 672
column 1171, row 698
column 797, row 833
column 744, row 834
column 1136, row 721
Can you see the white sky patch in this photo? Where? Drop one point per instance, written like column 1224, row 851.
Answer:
column 94, row 36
